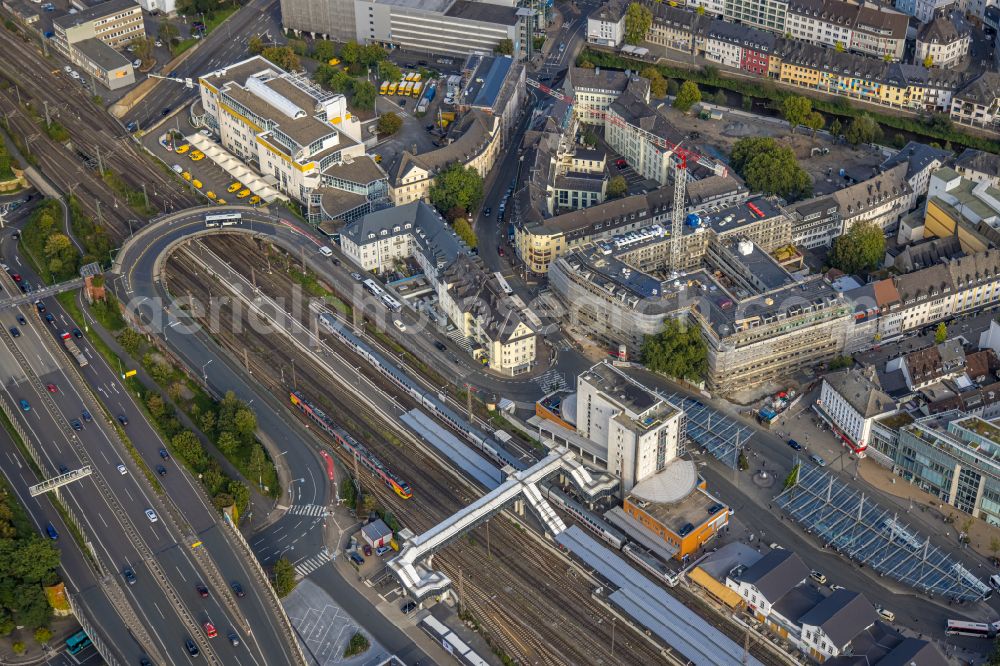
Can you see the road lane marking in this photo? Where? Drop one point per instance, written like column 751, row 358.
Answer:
column 180, row 573
column 159, row 611
column 101, row 516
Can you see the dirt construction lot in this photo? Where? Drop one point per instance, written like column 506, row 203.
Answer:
column 718, row 137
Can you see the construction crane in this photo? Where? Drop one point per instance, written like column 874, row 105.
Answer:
column 682, row 156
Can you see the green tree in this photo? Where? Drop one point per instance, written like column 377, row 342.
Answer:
column 142, row 47
column 257, row 462
column 389, row 71
column 207, row 423
column 457, row 186
column 228, row 443
column 350, row 53
column 189, row 449
column 863, row 129
column 323, row 50
column 701, row 10
column 168, row 32
column 18, row 647
column 388, row 124
column 770, row 167
column 347, row 492
column 255, row 45
column 357, row 645
column 131, row 341
column 465, row 232
column 283, row 574
column 657, row 84
column 792, row 478
column 283, row 56
column 687, row 96
column 859, row 250
column 720, row 98
column 617, row 187
column 743, row 464
column 589, row 138
column 839, row 47
column 504, row 47
column 43, row 635
column 638, row 19
column 796, row 109
column 835, row 128
column 364, row 95
column 157, row 408
column 940, row 333
column 814, row 122
column 678, row 351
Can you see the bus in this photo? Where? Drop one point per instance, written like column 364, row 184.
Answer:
column 416, row 88
column 503, row 283
column 223, row 219
column 373, row 288
column 407, row 89
column 390, row 302
column 77, row 642
column 980, row 629
column 392, row 88
column 384, row 88
column 416, row 76
column 409, row 76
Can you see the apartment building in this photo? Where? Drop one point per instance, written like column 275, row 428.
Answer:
column 921, row 161
column 978, row 103
column 116, row 23
column 593, row 91
column 739, row 47
column 815, row 222
column 606, row 25
column 637, row 131
column 680, row 28
column 469, row 296
column 944, row 42
column 287, row 127
column 476, row 145
column 763, row 14
column 881, row 200
column 979, row 166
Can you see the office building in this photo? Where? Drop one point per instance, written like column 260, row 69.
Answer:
column 850, row 401
column 292, row 131
column 116, row 23
column 108, row 66
column 606, row 24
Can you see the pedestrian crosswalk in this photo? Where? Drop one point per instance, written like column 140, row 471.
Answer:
column 551, row 380
column 310, row 564
column 307, row 510
column 460, row 340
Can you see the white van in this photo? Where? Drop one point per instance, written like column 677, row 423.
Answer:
column 995, row 581
column 325, row 251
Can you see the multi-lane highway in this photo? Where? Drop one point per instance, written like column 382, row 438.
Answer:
column 120, row 512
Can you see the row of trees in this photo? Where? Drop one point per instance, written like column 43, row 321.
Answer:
column 6, row 162
column 48, row 245
column 770, row 167
column 29, row 565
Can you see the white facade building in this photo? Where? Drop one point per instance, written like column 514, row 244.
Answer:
column 640, row 431
column 852, row 399
column 606, row 25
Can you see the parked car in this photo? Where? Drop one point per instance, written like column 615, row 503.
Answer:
column 357, row 559
column 408, row 607
column 885, row 614
column 818, row 460
column 795, row 445
column 123, row 419
column 237, row 588
column 151, row 515
column 368, row 550
column 122, row 469
column 202, row 590
column 382, row 550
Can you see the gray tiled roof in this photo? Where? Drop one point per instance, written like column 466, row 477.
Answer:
column 582, row 78
column 944, row 30
column 97, row 11
column 872, row 193
column 980, row 161
column 917, row 156
column 475, row 133
column 841, row 616
column 776, row 573
column 861, row 390
column 983, row 90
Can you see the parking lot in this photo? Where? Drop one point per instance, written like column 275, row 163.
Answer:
column 200, row 175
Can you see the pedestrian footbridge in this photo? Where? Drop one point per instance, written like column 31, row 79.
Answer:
column 419, row 581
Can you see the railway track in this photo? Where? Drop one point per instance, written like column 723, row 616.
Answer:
column 552, row 603
column 40, row 81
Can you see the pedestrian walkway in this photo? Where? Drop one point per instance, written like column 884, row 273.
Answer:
column 310, row 564
column 460, row 340
column 307, row 510
column 551, row 380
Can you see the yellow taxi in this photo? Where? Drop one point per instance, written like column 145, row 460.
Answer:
column 243, row 194
column 210, row 194
column 197, row 155
column 220, row 201
column 186, row 175
column 180, row 150
column 196, row 183
column 254, row 200
column 235, row 186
